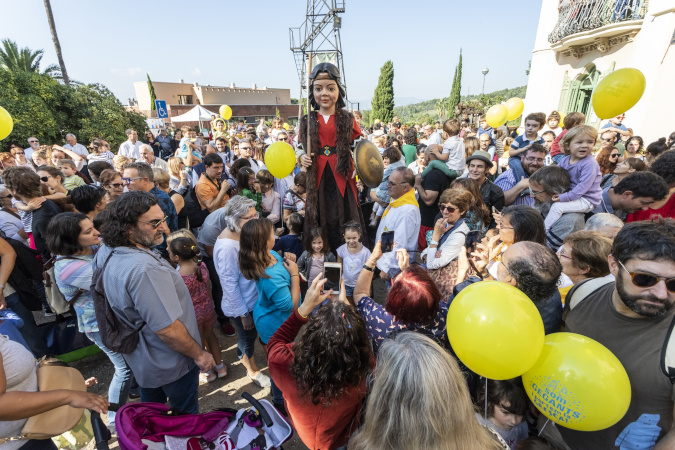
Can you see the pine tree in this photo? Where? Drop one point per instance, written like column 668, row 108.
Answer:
column 453, row 101
column 383, row 99
column 153, row 97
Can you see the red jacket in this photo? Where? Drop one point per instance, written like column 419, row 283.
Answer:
column 322, row 426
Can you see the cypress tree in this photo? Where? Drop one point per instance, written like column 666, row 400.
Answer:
column 383, row 99
column 453, row 101
column 152, row 93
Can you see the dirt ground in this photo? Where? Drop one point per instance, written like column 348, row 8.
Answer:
column 223, row 393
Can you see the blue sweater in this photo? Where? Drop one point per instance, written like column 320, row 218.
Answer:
column 275, row 302
column 585, row 176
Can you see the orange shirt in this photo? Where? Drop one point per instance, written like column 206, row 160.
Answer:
column 207, row 189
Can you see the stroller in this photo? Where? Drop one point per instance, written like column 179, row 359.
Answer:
column 154, row 426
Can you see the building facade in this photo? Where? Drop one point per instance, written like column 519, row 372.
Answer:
column 579, row 42
column 248, row 104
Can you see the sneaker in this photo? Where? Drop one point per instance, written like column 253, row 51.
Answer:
column 203, row 378
column 228, row 329
column 222, row 373
column 261, row 380
column 211, row 376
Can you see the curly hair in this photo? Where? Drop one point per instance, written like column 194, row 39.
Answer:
column 536, row 270
column 332, row 354
column 23, row 180
column 123, row 215
column 607, row 166
column 664, row 166
column 253, row 254
column 390, row 142
column 410, row 136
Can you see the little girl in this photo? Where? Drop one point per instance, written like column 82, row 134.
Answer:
column 316, row 253
column 506, row 408
column 391, row 159
column 292, row 242
column 249, row 187
column 585, row 176
column 185, row 252
column 352, row 254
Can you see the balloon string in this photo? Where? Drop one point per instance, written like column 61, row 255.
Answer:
column 486, row 416
column 542, row 428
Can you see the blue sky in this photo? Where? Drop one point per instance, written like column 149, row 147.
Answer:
column 245, row 42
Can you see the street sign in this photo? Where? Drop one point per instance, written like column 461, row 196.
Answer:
column 160, row 106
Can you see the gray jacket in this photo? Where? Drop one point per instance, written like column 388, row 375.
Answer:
column 305, row 263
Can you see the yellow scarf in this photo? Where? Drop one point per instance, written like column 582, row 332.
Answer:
column 406, row 199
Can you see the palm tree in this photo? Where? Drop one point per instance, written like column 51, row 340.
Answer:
column 57, row 45
column 441, row 107
column 15, row 59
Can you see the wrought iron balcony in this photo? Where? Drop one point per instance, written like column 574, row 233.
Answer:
column 576, row 16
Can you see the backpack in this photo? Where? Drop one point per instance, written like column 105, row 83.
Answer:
column 116, row 333
column 580, row 292
column 196, row 215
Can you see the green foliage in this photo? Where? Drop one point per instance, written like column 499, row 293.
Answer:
column 427, row 111
column 42, row 107
column 14, row 59
column 455, row 93
column 366, row 117
column 277, row 114
column 383, row 99
column 294, row 101
column 529, row 66
column 153, row 97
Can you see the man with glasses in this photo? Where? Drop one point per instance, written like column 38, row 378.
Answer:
column 246, row 151
column 402, row 216
column 544, row 184
column 516, row 192
column 138, row 177
column 146, row 292
column 632, row 317
column 33, row 144
column 607, row 140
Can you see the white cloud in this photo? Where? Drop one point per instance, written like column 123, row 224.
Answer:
column 131, row 71
column 196, row 71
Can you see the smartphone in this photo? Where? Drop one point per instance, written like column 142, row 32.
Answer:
column 332, row 272
column 387, row 239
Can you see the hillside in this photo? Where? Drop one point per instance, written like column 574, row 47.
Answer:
column 427, row 111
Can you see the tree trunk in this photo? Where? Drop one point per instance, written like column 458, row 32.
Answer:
column 57, row 45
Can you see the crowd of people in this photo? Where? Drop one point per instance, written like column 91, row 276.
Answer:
column 185, row 235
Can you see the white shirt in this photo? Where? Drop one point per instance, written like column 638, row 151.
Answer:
column 160, row 164
column 434, row 139
column 130, row 150
column 546, row 128
column 239, row 294
column 405, row 221
column 78, row 148
column 454, row 147
column 449, row 250
column 28, row 153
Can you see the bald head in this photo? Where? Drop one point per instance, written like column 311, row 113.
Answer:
column 429, row 154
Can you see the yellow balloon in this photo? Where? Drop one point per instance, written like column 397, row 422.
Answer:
column 280, row 159
column 578, row 383
column 618, row 92
column 496, row 116
column 6, row 123
column 225, row 112
column 514, row 107
column 285, row 126
column 495, row 330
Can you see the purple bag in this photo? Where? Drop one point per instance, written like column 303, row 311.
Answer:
column 152, row 421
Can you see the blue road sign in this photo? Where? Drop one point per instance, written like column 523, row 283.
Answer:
column 162, row 112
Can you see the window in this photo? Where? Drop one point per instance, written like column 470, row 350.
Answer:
column 184, row 99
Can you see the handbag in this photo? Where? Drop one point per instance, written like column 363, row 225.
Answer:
column 445, row 278
column 57, row 302
column 58, row 420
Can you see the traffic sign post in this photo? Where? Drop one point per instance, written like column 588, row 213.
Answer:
column 162, row 112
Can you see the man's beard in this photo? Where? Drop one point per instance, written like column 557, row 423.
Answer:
column 543, row 207
column 145, row 241
column 631, row 301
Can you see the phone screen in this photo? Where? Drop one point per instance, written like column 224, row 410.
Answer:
column 332, row 275
column 387, row 239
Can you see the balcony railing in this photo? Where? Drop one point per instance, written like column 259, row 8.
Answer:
column 576, row 16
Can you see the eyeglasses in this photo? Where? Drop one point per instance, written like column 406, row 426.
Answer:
column 389, row 183
column 533, row 159
column 535, row 193
column 502, row 227
column 645, row 280
column 447, row 208
column 45, row 179
column 128, row 180
column 155, row 223
column 33, row 142
column 250, row 218
column 244, row 149
column 606, row 139
column 116, row 185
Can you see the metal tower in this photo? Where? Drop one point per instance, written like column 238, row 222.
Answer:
column 319, row 36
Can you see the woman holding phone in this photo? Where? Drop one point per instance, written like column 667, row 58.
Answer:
column 277, row 281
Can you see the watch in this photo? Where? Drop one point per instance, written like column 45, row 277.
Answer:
column 367, row 267
column 433, row 242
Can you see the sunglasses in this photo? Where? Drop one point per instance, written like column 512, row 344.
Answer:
column 614, row 155
column 33, row 142
column 45, row 179
column 449, row 209
column 116, row 185
column 282, row 139
column 155, row 223
column 645, row 280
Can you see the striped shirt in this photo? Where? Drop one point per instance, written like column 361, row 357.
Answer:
column 72, row 274
column 507, row 181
